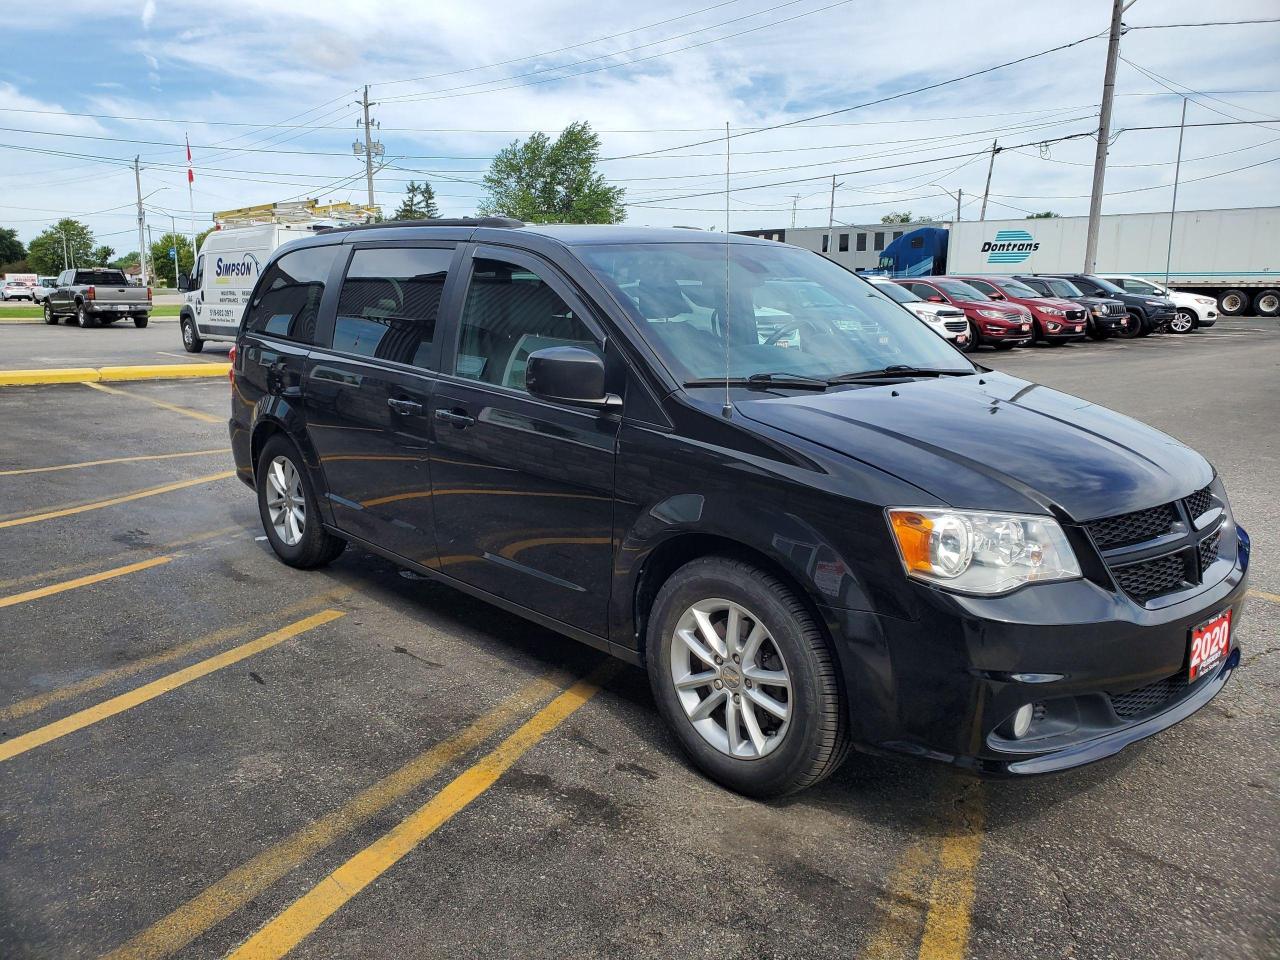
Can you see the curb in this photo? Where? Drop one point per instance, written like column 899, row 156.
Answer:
column 157, row 371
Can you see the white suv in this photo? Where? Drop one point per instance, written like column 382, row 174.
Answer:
column 1194, row 310
column 945, row 320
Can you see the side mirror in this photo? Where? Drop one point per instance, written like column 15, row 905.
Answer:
column 184, row 283
column 997, row 295
column 572, row 375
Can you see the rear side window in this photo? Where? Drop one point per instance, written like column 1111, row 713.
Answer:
column 389, row 303
column 105, row 278
column 511, row 312
column 287, row 298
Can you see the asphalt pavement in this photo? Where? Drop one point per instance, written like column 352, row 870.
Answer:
column 204, row 752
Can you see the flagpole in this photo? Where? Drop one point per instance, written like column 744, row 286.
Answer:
column 191, row 203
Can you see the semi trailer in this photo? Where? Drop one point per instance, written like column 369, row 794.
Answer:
column 1230, row 255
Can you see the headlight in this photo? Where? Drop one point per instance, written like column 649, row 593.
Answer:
column 1207, row 301
column 1098, row 310
column 1053, row 311
column 986, row 553
column 993, row 314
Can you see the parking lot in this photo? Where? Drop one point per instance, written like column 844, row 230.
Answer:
column 204, row 752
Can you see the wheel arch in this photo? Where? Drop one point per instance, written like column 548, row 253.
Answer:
column 267, row 425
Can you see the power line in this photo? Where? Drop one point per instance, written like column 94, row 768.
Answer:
column 876, row 102
column 1208, row 23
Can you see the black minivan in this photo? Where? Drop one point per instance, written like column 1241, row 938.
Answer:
column 816, row 525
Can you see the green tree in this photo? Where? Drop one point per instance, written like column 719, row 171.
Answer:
column 130, row 259
column 11, row 248
column 419, row 203
column 541, row 180
column 160, row 262
column 102, row 255
column 1046, row 215
column 45, row 251
column 904, row 217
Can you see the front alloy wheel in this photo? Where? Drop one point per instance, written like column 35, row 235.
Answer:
column 731, row 679
column 286, row 502
column 1184, row 321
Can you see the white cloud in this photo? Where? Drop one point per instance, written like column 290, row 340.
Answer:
column 148, row 13
column 275, row 61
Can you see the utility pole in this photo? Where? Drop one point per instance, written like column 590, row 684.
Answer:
column 831, row 218
column 959, row 195
column 795, row 198
column 1118, row 8
column 995, row 148
column 370, row 148
column 142, row 250
column 1173, row 207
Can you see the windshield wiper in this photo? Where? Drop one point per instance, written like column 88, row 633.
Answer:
column 897, row 371
column 795, row 381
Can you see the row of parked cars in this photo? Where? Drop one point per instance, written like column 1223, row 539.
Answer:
column 1010, row 311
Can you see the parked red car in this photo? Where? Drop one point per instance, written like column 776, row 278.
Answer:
column 1056, row 320
column 1002, row 325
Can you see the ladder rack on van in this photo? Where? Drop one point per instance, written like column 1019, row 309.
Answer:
column 296, row 212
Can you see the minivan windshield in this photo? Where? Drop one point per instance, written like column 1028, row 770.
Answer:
column 790, row 312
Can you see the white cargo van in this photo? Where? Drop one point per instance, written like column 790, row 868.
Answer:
column 226, row 270
column 228, row 262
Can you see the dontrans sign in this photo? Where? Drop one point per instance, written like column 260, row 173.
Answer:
column 1010, row 246
column 227, row 271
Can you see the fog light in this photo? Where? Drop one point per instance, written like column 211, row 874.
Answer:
column 1021, row 721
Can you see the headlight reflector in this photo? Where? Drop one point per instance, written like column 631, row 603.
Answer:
column 971, row 551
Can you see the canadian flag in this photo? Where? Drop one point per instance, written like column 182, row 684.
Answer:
column 191, row 174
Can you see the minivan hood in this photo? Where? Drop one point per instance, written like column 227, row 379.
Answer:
column 995, row 442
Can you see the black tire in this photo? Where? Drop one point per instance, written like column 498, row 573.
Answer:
column 975, row 341
column 1233, row 303
column 816, row 740
column 141, row 321
column 191, row 341
column 1267, row 303
column 50, row 317
column 84, row 319
column 317, row 547
column 1137, row 327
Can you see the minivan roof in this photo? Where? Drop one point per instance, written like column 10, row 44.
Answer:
column 569, row 234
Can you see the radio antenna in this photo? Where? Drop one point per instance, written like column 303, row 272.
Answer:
column 727, row 410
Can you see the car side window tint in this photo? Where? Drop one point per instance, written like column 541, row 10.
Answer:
column 389, row 302
column 510, row 312
column 286, row 301
column 983, row 286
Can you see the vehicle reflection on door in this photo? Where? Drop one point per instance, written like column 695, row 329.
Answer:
column 523, row 495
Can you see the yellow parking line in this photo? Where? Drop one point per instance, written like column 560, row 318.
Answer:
column 101, row 463
column 172, row 407
column 904, row 904
column 72, row 690
column 109, row 708
column 1263, row 595
column 288, row 928
column 946, row 927
column 16, row 598
column 124, row 498
column 70, row 568
column 215, row 903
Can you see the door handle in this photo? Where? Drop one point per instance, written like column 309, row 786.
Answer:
column 409, row 407
column 459, row 418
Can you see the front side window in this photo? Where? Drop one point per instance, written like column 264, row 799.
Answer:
column 1140, row 286
column 389, row 302
column 286, row 301
column 1057, row 288
column 782, row 310
column 511, row 312
column 987, row 288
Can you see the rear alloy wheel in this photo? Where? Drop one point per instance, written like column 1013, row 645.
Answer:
column 287, row 505
column 1184, row 321
column 191, row 341
column 1267, row 303
column 85, row 319
column 50, row 317
column 1232, row 303
column 745, row 678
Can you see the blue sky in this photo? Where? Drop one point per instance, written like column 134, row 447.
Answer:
column 489, row 72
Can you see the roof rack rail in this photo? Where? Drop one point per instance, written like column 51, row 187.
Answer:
column 507, row 222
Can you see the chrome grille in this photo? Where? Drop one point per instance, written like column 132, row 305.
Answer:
column 1132, row 527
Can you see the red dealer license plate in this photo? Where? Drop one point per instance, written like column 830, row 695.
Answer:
column 1210, row 644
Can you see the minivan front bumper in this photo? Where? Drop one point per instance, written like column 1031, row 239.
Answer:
column 1101, row 671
